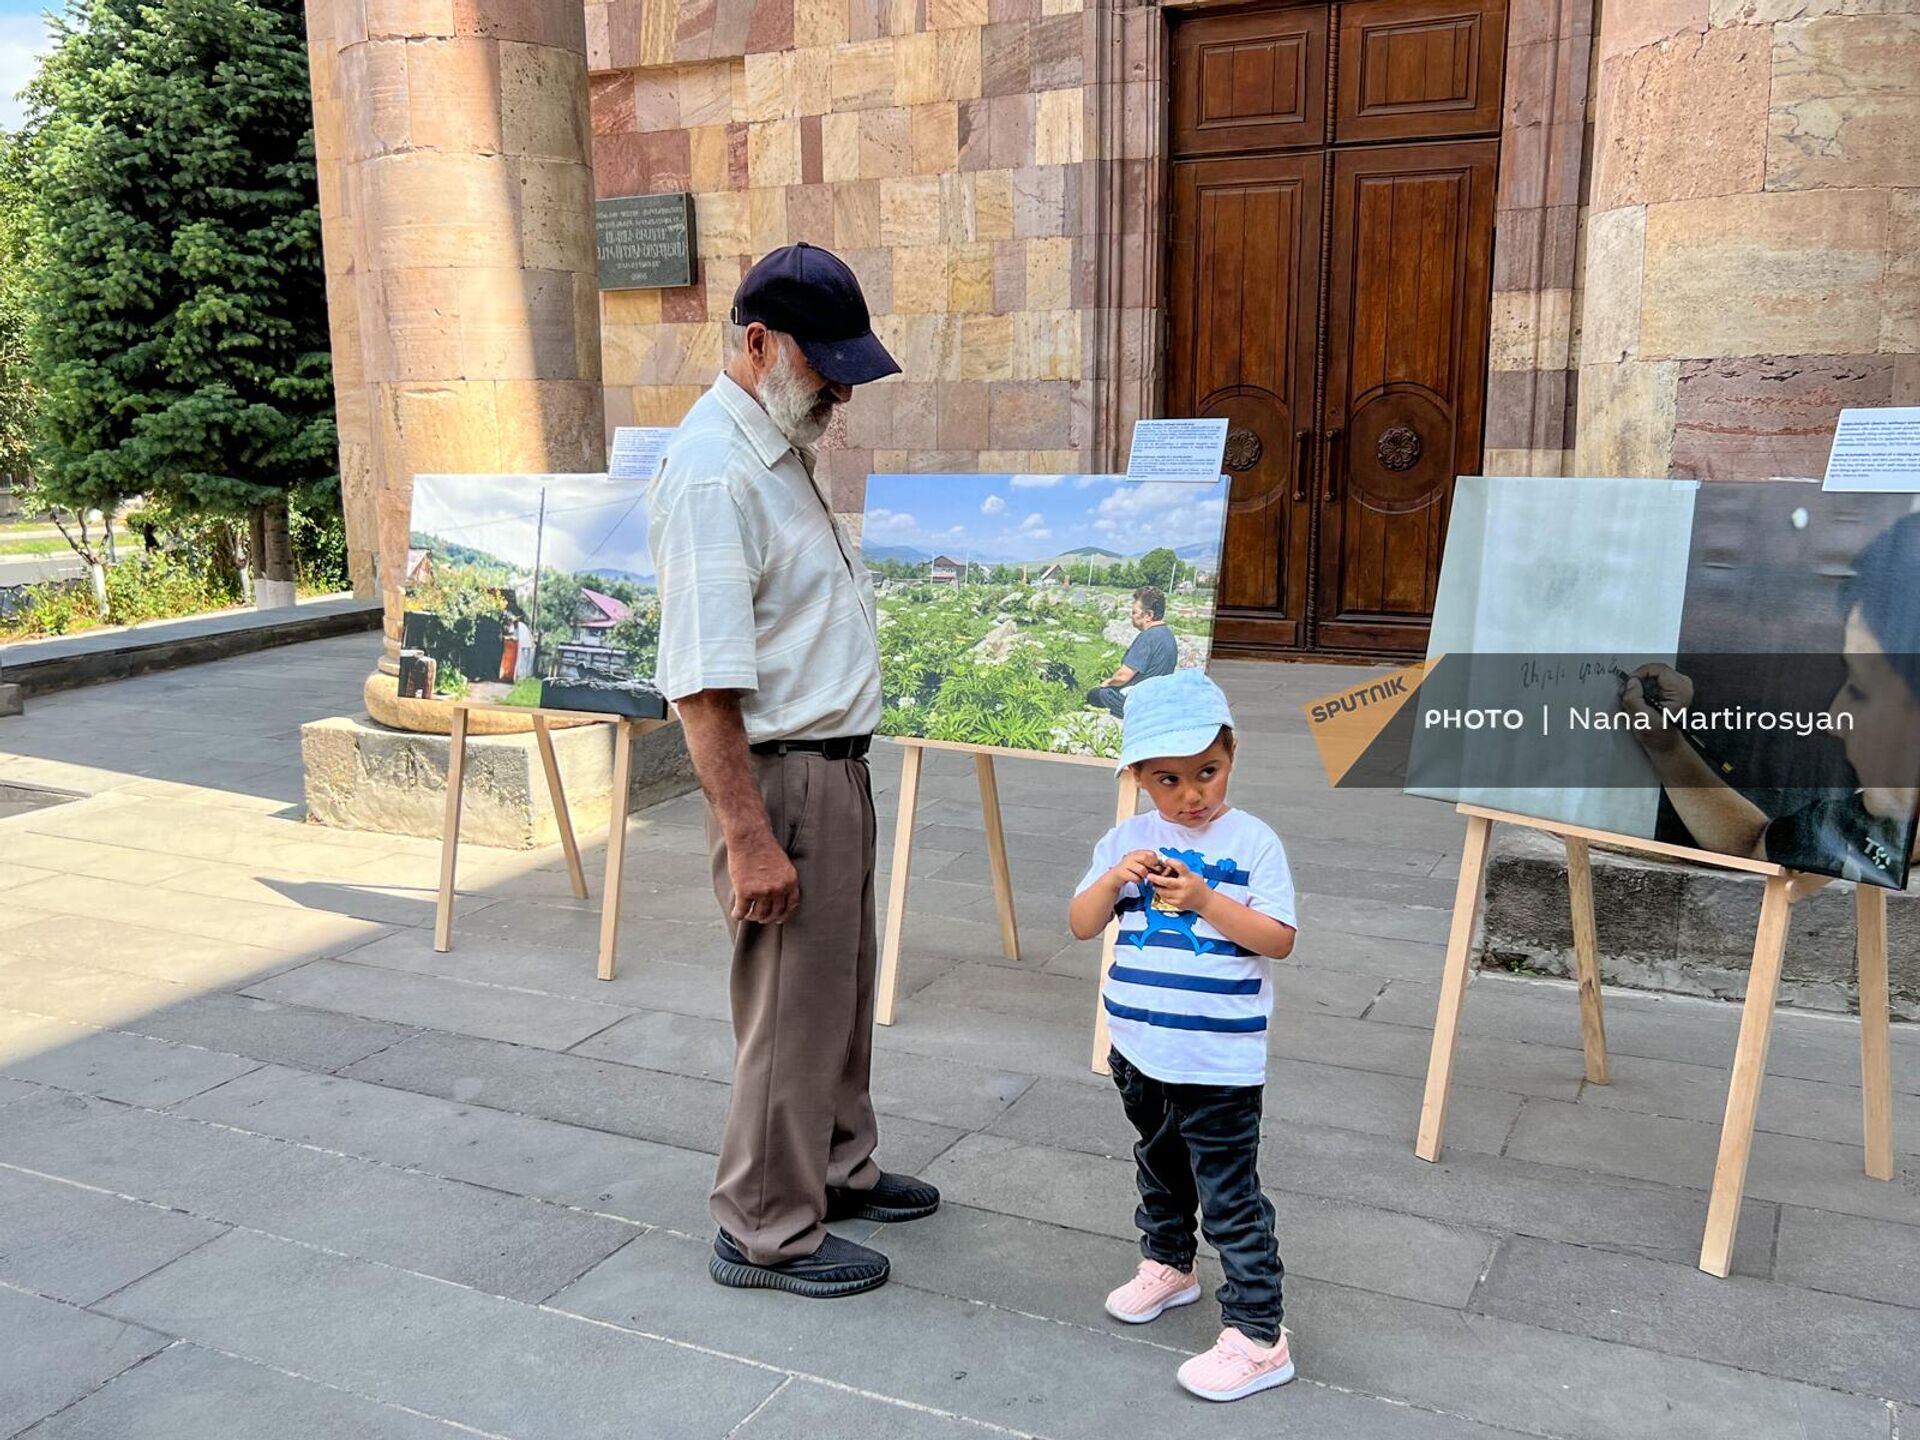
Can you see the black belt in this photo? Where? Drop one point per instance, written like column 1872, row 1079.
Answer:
column 840, row 747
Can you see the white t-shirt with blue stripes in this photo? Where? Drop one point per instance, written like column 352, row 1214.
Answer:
column 1185, row 1004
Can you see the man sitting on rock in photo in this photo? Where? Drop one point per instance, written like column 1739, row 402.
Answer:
column 1154, row 651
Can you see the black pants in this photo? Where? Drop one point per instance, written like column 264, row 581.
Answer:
column 1108, row 698
column 1198, row 1150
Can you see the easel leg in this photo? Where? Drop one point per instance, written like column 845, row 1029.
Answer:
column 1586, row 950
column 1749, row 1069
column 1124, row 807
column 888, row 985
column 1876, row 1064
column 616, row 846
column 557, row 793
column 450, row 833
column 1453, row 989
column 997, row 856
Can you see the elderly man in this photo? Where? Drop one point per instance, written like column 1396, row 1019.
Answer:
column 767, row 648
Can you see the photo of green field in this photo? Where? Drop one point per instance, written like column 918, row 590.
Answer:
column 994, row 632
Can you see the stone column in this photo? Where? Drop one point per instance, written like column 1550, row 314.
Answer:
column 453, row 135
column 1751, row 244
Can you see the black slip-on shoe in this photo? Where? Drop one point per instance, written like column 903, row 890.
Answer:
column 838, row 1267
column 895, row 1198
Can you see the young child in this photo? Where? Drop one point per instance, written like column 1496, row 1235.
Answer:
column 1204, row 898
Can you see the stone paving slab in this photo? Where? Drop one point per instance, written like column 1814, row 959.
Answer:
column 506, row 1244
column 131, row 1068
column 573, row 1089
column 291, row 890
column 917, row 1087
column 1520, row 1066
column 1698, row 1032
column 654, row 1105
column 1506, row 1373
column 1026, row 1374
column 694, row 979
column 188, row 1393
column 14, row 875
column 589, row 1169
column 1847, row 1255
column 1056, row 1113
column 454, row 1353
column 1035, row 1252
column 806, row 1410
column 77, row 991
column 1467, row 1190
column 1812, row 1109
column 1828, row 1340
column 267, row 1030
column 196, row 915
column 489, row 1011
column 12, row 1090
column 56, row 1354
column 135, row 949
column 1820, row 1174
column 78, row 1245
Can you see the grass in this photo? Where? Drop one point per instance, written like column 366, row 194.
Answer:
column 54, row 546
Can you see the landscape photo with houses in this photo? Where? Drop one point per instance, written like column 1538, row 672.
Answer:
column 1010, row 604
column 533, row 590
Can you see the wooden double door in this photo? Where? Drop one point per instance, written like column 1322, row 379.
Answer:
column 1331, row 233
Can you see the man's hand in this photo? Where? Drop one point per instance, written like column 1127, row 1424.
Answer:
column 1178, row 886
column 766, row 887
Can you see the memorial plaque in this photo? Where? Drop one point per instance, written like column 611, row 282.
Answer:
column 645, row 242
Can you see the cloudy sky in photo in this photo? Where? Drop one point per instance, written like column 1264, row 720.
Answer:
column 1035, row 517
column 592, row 523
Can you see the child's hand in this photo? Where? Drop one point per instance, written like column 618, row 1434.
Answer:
column 1135, row 867
column 1179, row 887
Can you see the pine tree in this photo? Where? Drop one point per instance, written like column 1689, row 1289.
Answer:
column 16, row 392
column 179, row 328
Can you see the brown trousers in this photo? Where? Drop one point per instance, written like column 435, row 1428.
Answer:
column 801, row 1118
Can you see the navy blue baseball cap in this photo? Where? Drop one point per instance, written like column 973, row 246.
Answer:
column 810, row 294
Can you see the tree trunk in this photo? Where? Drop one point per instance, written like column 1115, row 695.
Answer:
column 273, row 585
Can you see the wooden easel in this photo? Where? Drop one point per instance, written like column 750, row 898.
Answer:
column 1783, row 888
column 624, row 731
column 912, row 752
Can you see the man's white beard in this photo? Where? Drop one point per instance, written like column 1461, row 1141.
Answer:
column 792, row 405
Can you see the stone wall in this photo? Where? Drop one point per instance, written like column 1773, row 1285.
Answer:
column 1753, row 246
column 939, row 146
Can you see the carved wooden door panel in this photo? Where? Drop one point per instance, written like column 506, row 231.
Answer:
column 1409, row 296
column 1331, row 235
column 1245, row 302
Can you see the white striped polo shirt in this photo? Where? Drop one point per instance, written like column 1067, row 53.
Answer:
column 761, row 590
column 1185, row 1004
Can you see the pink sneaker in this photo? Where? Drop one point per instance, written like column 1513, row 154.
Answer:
column 1236, row 1367
column 1153, row 1291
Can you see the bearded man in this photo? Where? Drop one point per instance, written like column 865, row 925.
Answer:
column 768, row 650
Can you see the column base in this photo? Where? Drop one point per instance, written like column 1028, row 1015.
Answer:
column 361, row 775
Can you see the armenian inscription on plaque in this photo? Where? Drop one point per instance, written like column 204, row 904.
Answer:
column 645, row 242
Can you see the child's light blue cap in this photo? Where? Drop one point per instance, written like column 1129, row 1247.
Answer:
column 1177, row 714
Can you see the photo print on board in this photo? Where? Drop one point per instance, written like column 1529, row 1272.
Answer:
column 1016, row 610
column 534, row 590
column 1730, row 666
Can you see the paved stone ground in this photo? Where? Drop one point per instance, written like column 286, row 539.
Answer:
column 271, row 1167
